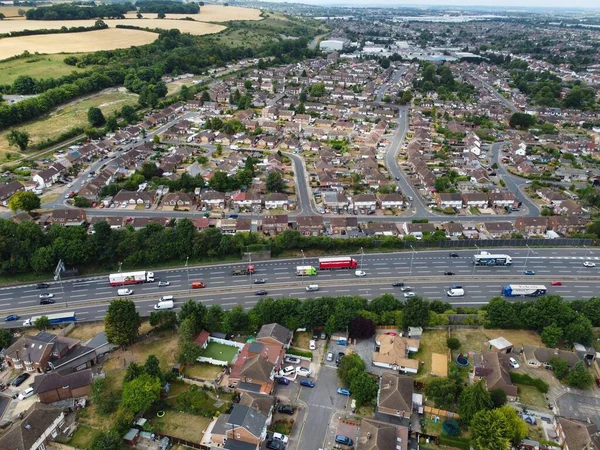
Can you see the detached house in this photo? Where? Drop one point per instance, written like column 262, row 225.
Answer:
column 395, row 397
column 46, row 178
column 7, row 190
column 491, row 368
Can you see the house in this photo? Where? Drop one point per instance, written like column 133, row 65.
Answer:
column 490, row 368
column 7, row 190
column 310, row 225
column 242, row 424
column 178, row 199
column 364, row 201
column 276, row 200
column 391, row 201
column 133, row 198
column 376, row 435
column 577, row 435
column 202, row 339
column 68, row 217
column 395, row 397
column 551, row 196
column 498, row 229
column 392, row 352
column 449, row 200
column 502, row 199
column 379, row 229
column 500, row 345
column 39, row 425
column 272, row 225
column 343, row 225
column 475, row 200
column 213, row 199
column 273, row 333
column 54, row 386
column 334, row 199
column 570, row 208
column 532, row 225
column 46, row 178
column 417, row 229
column 260, row 402
column 453, row 229
column 567, row 225
column 542, row 355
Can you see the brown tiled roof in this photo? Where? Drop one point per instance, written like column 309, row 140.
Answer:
column 395, row 392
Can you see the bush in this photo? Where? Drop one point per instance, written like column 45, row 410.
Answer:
column 538, row 383
column 453, row 343
column 297, row 352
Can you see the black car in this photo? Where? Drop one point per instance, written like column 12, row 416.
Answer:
column 275, row 444
column 20, row 379
column 42, row 286
column 448, row 273
column 47, row 301
column 261, row 292
column 286, row 409
column 340, row 355
column 315, row 335
column 453, row 255
column 397, row 284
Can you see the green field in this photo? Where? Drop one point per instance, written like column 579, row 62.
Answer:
column 220, row 351
column 37, row 66
column 73, row 114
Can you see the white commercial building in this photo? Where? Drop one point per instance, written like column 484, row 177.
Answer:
column 331, row 45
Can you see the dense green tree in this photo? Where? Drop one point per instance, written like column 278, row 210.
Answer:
column 5, row 338
column 152, row 367
column 361, row 328
column 473, row 399
column 236, row 320
column 24, row 201
column 275, row 182
column 364, row 389
column 104, row 402
column 140, row 393
column 197, row 311
column 579, row 331
column 383, row 303
column 317, row 90
column 121, row 322
column 498, row 397
column 95, row 117
column 18, row 138
column 416, row 313
column 350, row 366
column 443, row 392
column 106, row 440
column 502, row 314
column 490, row 430
column 42, row 323
column 580, row 377
column 133, row 371
column 551, row 335
column 521, row 120
column 453, row 343
column 560, row 367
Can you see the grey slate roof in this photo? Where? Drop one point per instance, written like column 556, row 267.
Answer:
column 23, row 434
column 247, row 418
column 275, row 331
column 54, row 380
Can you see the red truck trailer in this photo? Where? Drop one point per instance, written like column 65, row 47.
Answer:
column 343, row 262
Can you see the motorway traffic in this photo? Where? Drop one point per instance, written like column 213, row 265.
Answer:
column 423, row 271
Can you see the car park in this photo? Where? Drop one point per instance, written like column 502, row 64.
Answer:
column 11, row 318
column 513, row 363
column 344, row 440
column 260, row 281
column 528, row 272
column 409, row 294
column 20, row 379
column 330, row 356
column 261, row 292
column 360, row 273
column 163, row 283
column 343, row 391
column 398, row 284
column 307, row 383
column 42, row 286
column 286, row 409
column 312, row 345
column 303, row 371
column 556, row 283
column 291, row 359
column 589, row 264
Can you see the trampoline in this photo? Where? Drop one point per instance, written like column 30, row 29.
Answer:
column 450, row 427
column 462, row 360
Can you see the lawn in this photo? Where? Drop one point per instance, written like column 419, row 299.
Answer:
column 221, row 352
column 203, row 371
column 181, row 425
column 73, row 114
column 86, row 332
column 82, row 438
column 284, row 426
column 432, row 341
column 302, row 339
column 38, row 66
column 476, row 340
column 529, row 395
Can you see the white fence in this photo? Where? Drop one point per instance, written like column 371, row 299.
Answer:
column 214, row 362
column 226, row 342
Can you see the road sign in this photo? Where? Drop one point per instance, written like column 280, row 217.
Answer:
column 60, row 267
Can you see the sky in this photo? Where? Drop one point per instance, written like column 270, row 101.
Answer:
column 496, row 4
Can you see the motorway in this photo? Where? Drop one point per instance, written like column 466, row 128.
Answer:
column 422, row 270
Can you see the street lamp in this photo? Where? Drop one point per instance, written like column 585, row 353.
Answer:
column 187, row 259
column 412, row 256
column 362, row 254
column 249, row 264
column 303, row 270
column 474, row 261
column 527, row 257
column 584, row 259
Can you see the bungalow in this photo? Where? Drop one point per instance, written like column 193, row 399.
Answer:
column 395, row 396
column 542, row 355
column 379, row 229
column 417, row 229
column 133, row 198
column 310, row 225
column 551, row 196
column 490, row 367
column 334, row 199
column 178, row 199
column 272, row 225
column 391, row 352
column 276, row 200
column 7, row 190
column 570, row 208
column 453, row 229
column 343, row 225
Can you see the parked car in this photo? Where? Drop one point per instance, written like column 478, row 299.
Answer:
column 260, row 281
column 323, row 335
column 11, row 318
column 275, row 444
column 528, row 272
column 261, row 292
column 280, row 437
column 556, row 283
column 42, row 286
column 409, row 294
column 391, row 333
column 312, row 344
column 291, row 359
column 303, row 371
column 286, row 409
column 448, row 273
column 307, row 383
column 20, row 379
column 589, row 264
column 26, row 393
column 360, row 273
column 513, row 363
column 343, row 391
column 283, row 381
column 287, row 371
column 398, row 284
column 315, row 335
column 163, row 283
column 344, row 440
column 330, row 356
column 340, row 355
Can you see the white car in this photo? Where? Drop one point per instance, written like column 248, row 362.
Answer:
column 291, row 359
column 26, row 393
column 163, row 283
column 406, row 289
column 312, row 345
column 280, row 437
column 303, row 371
column 589, row 264
column 287, row 371
column 409, row 294
column 513, row 363
column 360, row 273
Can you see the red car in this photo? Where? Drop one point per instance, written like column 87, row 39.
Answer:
column 556, row 283
column 391, row 333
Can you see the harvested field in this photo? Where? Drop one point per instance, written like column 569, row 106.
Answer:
column 89, row 41
column 12, row 11
column 214, row 13
column 71, row 115
column 37, row 66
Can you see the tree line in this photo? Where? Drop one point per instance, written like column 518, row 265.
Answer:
column 73, row 12
column 99, row 25
column 150, row 6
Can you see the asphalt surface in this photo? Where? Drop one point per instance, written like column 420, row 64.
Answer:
column 422, row 270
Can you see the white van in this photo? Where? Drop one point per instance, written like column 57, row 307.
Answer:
column 166, row 298
column 164, row 304
column 26, row 393
column 124, row 292
column 456, row 292
column 312, row 287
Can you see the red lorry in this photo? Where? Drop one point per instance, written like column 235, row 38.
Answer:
column 343, row 262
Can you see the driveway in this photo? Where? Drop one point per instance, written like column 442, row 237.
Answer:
column 579, row 406
column 322, row 401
